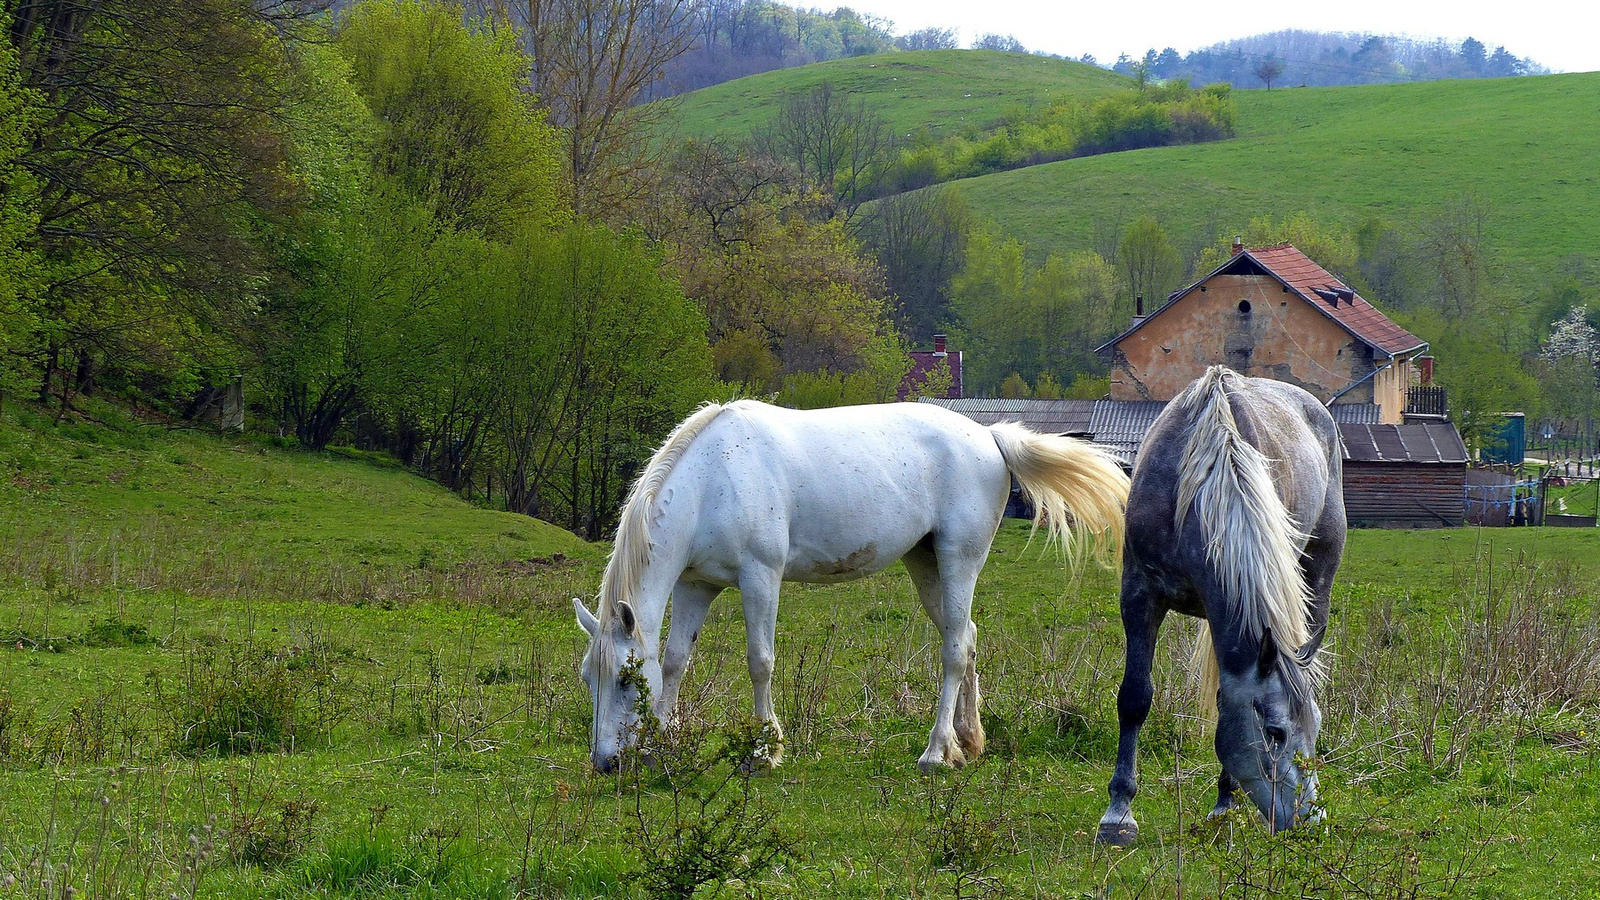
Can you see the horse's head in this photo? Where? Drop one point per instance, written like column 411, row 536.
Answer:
column 1267, row 723
column 623, row 674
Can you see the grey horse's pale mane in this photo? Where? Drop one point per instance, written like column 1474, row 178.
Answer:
column 630, row 555
column 1252, row 542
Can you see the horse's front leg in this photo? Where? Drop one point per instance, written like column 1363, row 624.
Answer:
column 759, row 586
column 1226, row 788
column 1141, row 620
column 690, row 601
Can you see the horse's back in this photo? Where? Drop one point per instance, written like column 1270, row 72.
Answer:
column 1288, row 425
column 833, row 494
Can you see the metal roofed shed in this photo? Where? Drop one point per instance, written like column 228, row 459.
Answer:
column 1404, row 476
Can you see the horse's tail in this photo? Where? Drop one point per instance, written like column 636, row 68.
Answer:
column 1252, row 541
column 1078, row 490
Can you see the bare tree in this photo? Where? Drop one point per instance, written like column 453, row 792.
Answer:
column 835, row 146
column 929, row 39
column 593, row 62
column 1268, row 70
column 920, row 239
column 993, row 41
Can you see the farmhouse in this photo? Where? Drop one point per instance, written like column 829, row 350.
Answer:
column 1271, row 312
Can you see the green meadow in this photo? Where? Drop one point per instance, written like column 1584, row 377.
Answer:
column 231, row 670
column 942, row 91
column 1521, row 148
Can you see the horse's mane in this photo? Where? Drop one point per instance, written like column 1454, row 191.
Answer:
column 631, row 552
column 1252, row 541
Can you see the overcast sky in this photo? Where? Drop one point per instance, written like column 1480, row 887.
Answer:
column 1559, row 34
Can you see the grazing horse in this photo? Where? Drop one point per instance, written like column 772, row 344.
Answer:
column 1235, row 516
column 748, row 495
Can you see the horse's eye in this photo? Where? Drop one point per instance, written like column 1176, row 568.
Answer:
column 1277, row 734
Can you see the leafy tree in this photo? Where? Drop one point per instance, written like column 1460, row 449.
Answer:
column 1015, row 387
column 19, row 119
column 784, row 292
column 158, row 175
column 461, row 132
column 1330, row 244
column 1569, row 358
column 1148, row 261
column 594, row 61
column 1016, row 318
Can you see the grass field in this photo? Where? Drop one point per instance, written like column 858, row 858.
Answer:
column 941, row 90
column 402, row 666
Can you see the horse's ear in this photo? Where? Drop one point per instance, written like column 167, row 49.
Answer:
column 586, row 619
column 1267, row 660
column 630, row 622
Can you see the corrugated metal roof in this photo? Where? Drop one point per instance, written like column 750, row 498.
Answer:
column 1418, row 442
column 1120, row 425
column 1044, row 416
column 1355, row 413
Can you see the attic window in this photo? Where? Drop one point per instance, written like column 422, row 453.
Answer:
column 1244, row 307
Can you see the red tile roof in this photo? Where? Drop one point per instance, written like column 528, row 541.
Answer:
column 1330, row 296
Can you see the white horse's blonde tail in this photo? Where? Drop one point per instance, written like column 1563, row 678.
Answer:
column 1252, row 541
column 1203, row 667
column 1078, row 490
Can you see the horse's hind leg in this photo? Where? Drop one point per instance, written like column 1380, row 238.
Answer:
column 1141, row 620
column 923, row 567
column 759, row 585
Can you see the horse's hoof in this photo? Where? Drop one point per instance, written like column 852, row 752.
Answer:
column 1117, row 834
column 933, row 765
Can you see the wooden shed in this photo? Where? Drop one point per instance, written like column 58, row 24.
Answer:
column 1404, row 476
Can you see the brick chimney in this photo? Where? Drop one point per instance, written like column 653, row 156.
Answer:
column 938, row 345
column 1238, row 245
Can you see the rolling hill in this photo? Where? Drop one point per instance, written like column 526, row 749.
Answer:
column 937, row 89
column 1523, row 147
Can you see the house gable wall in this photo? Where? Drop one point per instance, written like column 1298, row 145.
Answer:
column 1280, row 337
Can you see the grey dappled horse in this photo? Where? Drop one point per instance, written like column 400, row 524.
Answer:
column 1235, row 516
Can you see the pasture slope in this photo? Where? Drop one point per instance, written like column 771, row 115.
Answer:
column 1400, row 153
column 236, row 671
column 940, row 90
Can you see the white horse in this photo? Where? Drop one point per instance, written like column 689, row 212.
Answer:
column 748, row 495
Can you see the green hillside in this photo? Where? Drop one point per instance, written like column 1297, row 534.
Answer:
column 1524, row 146
column 938, row 89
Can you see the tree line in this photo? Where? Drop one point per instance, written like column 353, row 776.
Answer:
column 1324, row 59
column 399, row 232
